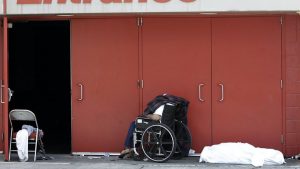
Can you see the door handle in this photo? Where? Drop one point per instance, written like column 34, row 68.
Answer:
column 2, row 87
column 222, row 92
column 81, row 91
column 199, row 92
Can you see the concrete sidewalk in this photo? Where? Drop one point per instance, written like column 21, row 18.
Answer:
column 113, row 162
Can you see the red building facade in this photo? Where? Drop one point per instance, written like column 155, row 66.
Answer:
column 239, row 70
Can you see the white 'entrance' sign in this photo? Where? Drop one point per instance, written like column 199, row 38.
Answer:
column 147, row 6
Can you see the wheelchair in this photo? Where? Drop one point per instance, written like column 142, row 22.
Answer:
column 161, row 140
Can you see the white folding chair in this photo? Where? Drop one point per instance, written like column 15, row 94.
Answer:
column 23, row 116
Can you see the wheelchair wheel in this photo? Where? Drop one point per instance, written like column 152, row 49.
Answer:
column 158, row 142
column 183, row 139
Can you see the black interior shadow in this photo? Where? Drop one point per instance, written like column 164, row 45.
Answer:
column 39, row 75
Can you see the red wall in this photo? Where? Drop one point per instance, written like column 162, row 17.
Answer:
column 1, row 77
column 292, row 63
column 291, row 74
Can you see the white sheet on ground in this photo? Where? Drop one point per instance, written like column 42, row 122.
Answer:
column 241, row 153
column 22, row 144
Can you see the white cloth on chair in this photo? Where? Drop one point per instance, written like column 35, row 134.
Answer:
column 22, row 144
column 29, row 129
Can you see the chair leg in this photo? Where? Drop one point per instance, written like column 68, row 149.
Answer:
column 35, row 148
column 10, row 140
column 36, row 143
column 9, row 151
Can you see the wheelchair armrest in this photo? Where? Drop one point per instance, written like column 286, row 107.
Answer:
column 143, row 122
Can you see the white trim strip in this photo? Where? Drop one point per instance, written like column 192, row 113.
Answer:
column 36, row 163
column 95, row 153
column 113, row 154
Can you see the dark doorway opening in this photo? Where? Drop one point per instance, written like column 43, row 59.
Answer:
column 39, row 75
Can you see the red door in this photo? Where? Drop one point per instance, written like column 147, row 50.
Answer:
column 247, row 65
column 2, row 85
column 4, row 127
column 105, row 96
column 177, row 60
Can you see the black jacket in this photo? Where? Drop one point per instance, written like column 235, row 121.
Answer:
column 181, row 103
